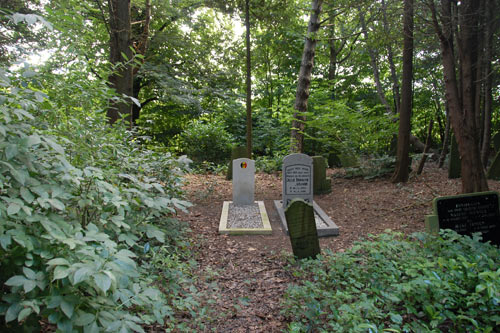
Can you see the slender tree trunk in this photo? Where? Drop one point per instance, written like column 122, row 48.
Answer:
column 446, row 139
column 488, row 94
column 390, row 58
column 248, row 80
column 374, row 64
column 332, row 66
column 120, row 43
column 304, row 81
column 428, row 142
column 141, row 44
column 401, row 173
column 462, row 110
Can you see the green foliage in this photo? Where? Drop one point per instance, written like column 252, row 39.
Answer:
column 392, row 283
column 270, row 164
column 80, row 203
column 338, row 127
column 205, row 141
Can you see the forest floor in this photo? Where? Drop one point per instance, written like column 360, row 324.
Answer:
column 249, row 269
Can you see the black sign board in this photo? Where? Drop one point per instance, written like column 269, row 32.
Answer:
column 468, row 214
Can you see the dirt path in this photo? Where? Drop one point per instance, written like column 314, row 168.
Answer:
column 249, row 270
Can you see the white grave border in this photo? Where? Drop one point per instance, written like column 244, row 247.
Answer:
column 265, row 230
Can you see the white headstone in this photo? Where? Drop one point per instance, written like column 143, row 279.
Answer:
column 297, row 178
column 243, row 181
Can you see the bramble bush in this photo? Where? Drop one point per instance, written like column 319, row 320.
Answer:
column 82, row 208
column 393, row 283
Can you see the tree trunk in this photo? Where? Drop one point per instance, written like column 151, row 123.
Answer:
column 332, row 66
column 374, row 64
column 401, row 173
column 304, row 81
column 390, row 58
column 462, row 110
column 427, row 147
column 248, row 80
column 140, row 44
column 446, row 139
column 120, row 43
column 488, row 94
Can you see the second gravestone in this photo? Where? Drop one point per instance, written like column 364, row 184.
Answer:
column 243, row 181
column 302, row 228
column 297, row 178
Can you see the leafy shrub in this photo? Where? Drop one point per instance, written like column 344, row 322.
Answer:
column 336, row 126
column 270, row 164
column 206, row 142
column 419, row 284
column 80, row 203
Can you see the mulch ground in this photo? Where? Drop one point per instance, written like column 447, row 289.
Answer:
column 249, row 270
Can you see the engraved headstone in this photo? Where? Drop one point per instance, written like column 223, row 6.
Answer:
column 243, row 181
column 297, row 178
column 302, row 229
column 470, row 213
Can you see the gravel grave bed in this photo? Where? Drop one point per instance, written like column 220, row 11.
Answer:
column 244, row 216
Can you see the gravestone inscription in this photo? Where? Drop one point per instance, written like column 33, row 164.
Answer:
column 470, row 213
column 297, row 178
column 302, row 229
column 243, row 181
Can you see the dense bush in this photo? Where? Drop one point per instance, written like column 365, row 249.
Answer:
column 339, row 127
column 80, row 204
column 396, row 284
column 205, row 141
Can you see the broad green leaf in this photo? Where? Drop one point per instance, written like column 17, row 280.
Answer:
column 396, row 318
column 65, row 325
column 29, row 273
column 81, row 274
column 33, row 140
column 135, row 327
column 57, row 262
column 54, row 145
column 5, row 241
column 480, row 287
column 92, row 328
column 60, row 272
column 12, row 312
column 29, row 285
column 16, row 281
column 56, row 204
column 114, row 326
column 83, row 318
column 54, row 302
column 102, row 281
column 67, row 308
column 24, row 313
column 13, row 209
column 11, row 151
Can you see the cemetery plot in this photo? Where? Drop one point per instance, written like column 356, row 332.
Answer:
column 298, row 184
column 467, row 214
column 244, row 220
column 243, row 215
column 324, row 224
